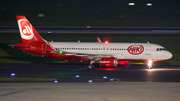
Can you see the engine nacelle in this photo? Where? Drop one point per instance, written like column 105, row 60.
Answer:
column 123, row 62
column 108, row 62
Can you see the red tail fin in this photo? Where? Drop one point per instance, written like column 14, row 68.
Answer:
column 27, row 31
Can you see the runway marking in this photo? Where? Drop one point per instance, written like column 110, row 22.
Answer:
column 21, row 91
column 79, row 69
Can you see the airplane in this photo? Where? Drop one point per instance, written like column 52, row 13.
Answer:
column 104, row 53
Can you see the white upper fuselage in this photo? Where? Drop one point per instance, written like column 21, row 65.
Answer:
column 124, row 51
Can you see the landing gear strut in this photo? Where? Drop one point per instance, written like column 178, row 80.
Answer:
column 91, row 66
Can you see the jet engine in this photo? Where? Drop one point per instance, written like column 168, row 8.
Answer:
column 108, row 62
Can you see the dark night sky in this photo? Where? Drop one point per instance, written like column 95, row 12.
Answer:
column 106, row 12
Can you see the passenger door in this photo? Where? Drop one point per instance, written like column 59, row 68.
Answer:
column 148, row 49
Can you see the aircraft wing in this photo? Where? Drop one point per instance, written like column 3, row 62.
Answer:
column 86, row 55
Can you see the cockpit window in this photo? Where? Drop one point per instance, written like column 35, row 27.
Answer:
column 161, row 49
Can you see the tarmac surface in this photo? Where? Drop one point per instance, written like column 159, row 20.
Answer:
column 68, row 73
column 108, row 91
column 133, row 83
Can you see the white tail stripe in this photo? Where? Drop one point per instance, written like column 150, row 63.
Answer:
column 30, row 29
column 27, row 29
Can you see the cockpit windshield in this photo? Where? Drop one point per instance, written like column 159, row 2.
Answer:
column 161, row 49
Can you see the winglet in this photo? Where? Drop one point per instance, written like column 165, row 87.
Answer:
column 98, row 39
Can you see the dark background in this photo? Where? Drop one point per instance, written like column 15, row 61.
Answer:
column 162, row 13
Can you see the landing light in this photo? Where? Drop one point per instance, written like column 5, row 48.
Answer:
column 150, row 63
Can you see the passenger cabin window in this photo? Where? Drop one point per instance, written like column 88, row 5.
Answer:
column 114, row 49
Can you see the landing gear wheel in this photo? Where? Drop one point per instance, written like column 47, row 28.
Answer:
column 150, row 68
column 90, row 67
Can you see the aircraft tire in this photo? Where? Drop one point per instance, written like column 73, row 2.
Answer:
column 90, row 67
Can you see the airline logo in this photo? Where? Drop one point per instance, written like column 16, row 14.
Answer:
column 26, row 29
column 105, row 61
column 135, row 49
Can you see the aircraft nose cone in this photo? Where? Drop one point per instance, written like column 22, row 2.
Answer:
column 169, row 55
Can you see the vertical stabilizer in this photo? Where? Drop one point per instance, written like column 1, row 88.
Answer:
column 27, row 31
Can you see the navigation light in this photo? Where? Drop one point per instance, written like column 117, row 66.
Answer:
column 60, row 52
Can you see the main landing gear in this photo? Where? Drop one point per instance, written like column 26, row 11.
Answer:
column 150, row 64
column 91, row 66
